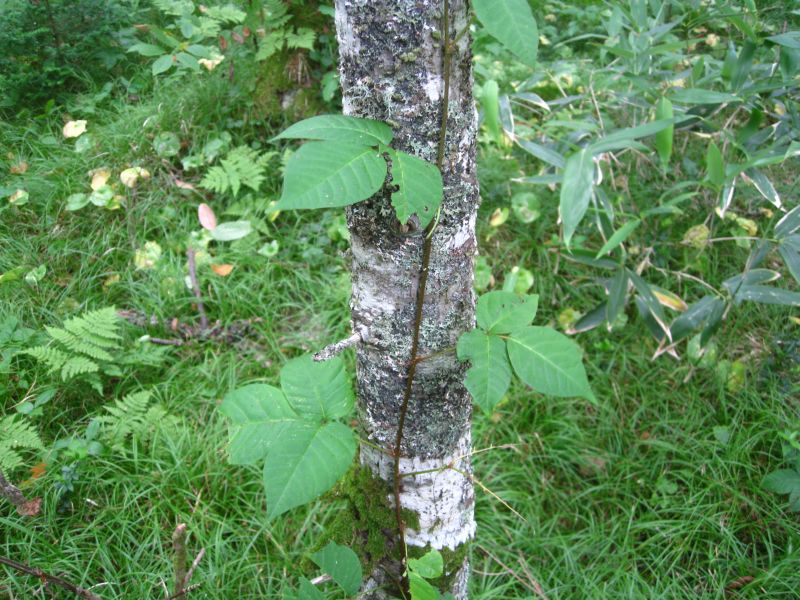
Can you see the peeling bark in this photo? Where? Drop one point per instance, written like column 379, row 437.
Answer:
column 391, row 58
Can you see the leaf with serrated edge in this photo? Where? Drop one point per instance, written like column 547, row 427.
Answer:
column 258, row 414
column 420, row 188
column 489, row 376
column 500, row 312
column 549, row 362
column 511, row 22
column 339, row 128
column 330, row 174
column 342, row 564
column 318, row 389
column 304, row 462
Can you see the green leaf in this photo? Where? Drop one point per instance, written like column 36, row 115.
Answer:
column 162, row 64
column 790, row 39
column 788, row 223
column 511, row 22
column 258, row 414
column 664, row 138
column 77, row 201
column 305, row 461
column 318, row 389
column 649, row 300
column 230, row 231
column 339, row 128
column 791, row 258
column 308, row 591
column 328, row 174
column 700, row 96
column 429, row 566
column 549, row 362
column 421, row 589
column 766, row 294
column 489, row 376
column 147, row 49
column 715, row 167
column 622, row 138
column 576, row 191
column 501, row 312
column 782, row 481
column 342, row 564
column 617, row 293
column 420, row 187
column 619, row 236
column 543, row 153
column 490, row 104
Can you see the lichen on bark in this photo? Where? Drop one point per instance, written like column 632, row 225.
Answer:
column 391, row 64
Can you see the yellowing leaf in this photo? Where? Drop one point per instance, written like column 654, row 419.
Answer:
column 129, row 177
column 210, row 63
column 206, row 216
column 147, row 256
column 222, row 270
column 99, row 178
column 19, row 168
column 73, row 129
column 669, row 300
column 499, row 216
column 18, row 198
column 696, row 236
column 747, row 225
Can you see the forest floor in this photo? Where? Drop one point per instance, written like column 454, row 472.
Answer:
column 655, row 492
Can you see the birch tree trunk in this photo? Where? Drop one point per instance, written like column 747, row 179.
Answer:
column 391, row 63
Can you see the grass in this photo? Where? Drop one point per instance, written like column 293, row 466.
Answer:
column 652, row 493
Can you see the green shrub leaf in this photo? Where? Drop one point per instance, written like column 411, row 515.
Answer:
column 318, row 389
column 576, row 191
column 420, row 187
column 549, row 362
column 489, row 376
column 328, row 174
column 258, row 414
column 342, row 564
column 305, row 461
column 501, row 312
column 339, row 128
column 511, row 22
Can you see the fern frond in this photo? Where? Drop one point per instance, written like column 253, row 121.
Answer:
column 78, row 365
column 241, row 167
column 77, row 344
column 302, row 38
column 9, row 459
column 103, row 322
column 124, row 417
column 176, row 8
column 52, row 357
column 16, row 433
column 227, row 13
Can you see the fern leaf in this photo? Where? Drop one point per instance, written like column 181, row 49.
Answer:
column 303, row 38
column 78, row 365
column 124, row 417
column 52, row 357
column 78, row 344
column 241, row 167
column 103, row 322
column 9, row 459
column 16, row 433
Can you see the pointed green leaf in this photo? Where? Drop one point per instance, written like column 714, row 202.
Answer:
column 649, row 301
column 489, row 376
column 304, row 462
column 161, row 64
column 791, row 258
column 339, row 128
column 342, row 564
column 500, row 312
column 782, row 481
column 549, row 362
column 766, row 294
column 619, row 236
column 147, row 49
column 318, row 389
column 622, row 138
column 328, row 174
column 715, row 167
column 617, row 294
column 576, row 191
column 700, row 96
column 429, row 566
column 421, row 589
column 788, row 223
column 511, row 22
column 420, row 188
column 258, row 414
column 664, row 138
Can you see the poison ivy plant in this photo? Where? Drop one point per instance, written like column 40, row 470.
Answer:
column 420, row 570
column 544, row 359
column 346, row 163
column 295, row 430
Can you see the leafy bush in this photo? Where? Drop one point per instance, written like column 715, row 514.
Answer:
column 54, row 47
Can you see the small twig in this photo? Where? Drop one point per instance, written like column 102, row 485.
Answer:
column 11, row 492
column 190, row 253
column 179, row 556
column 46, row 578
column 187, row 578
column 184, row 591
column 321, row 579
column 328, row 352
column 164, row 342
